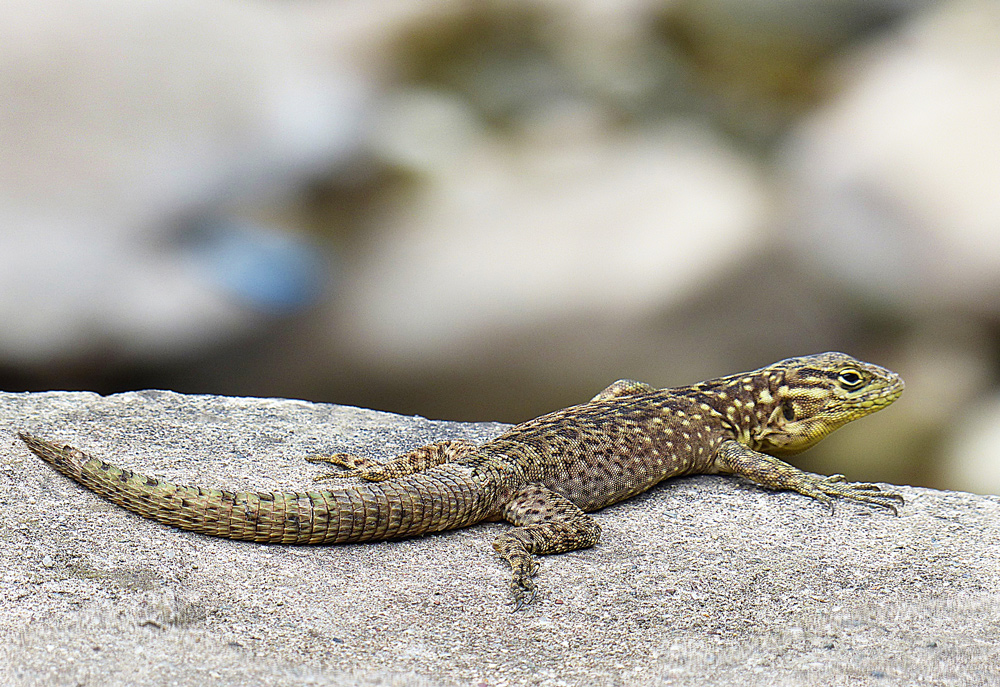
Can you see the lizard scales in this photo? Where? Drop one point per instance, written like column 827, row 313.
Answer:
column 542, row 475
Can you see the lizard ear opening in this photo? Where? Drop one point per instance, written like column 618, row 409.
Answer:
column 788, row 411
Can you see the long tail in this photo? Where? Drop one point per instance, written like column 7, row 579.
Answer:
column 430, row 501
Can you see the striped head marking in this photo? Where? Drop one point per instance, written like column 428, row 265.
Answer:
column 817, row 394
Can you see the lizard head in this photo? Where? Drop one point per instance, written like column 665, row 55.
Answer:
column 814, row 395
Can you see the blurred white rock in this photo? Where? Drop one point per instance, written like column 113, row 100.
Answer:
column 894, row 183
column 123, row 124
column 568, row 217
column 971, row 460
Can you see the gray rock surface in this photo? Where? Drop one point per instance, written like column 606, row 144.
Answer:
column 703, row 581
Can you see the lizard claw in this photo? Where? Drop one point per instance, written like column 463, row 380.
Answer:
column 524, row 592
column 522, row 587
column 861, row 492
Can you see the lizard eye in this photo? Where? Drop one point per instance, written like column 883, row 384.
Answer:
column 850, row 379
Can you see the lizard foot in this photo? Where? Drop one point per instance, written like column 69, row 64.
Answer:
column 774, row 473
column 823, row 488
column 522, row 587
column 334, row 475
column 355, row 466
column 412, row 462
column 344, row 460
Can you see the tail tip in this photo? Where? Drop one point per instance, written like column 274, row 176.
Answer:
column 31, row 440
column 42, row 448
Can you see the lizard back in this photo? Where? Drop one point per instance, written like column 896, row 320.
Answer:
column 602, row 452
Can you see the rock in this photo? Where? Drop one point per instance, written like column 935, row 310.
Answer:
column 500, row 235
column 894, row 181
column 702, row 581
column 760, row 59
column 125, row 126
column 970, row 456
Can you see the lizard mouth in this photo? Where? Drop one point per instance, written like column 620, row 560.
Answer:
column 879, row 398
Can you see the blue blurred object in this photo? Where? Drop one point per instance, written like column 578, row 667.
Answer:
column 272, row 270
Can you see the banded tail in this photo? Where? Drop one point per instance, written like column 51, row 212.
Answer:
column 431, row 501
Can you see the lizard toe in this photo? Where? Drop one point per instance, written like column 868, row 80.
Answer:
column 333, row 475
column 523, row 591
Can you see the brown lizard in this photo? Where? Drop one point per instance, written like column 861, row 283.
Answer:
column 544, row 475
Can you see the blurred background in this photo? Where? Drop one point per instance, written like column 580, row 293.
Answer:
column 486, row 210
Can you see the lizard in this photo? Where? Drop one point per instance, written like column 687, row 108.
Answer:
column 545, row 475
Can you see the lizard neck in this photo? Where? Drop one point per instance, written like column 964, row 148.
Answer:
column 745, row 403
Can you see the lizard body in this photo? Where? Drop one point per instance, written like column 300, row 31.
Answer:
column 542, row 475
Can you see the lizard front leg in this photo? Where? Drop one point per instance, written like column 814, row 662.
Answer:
column 547, row 522
column 768, row 471
column 417, row 460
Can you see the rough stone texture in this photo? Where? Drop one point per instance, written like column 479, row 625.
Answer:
column 704, row 580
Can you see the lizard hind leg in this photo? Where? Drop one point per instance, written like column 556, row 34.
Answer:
column 417, row 460
column 547, row 522
column 622, row 388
